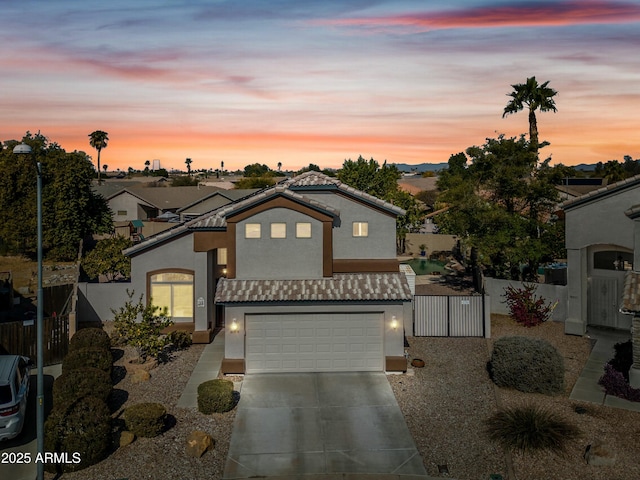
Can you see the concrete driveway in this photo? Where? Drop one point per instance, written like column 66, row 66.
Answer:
column 320, row 423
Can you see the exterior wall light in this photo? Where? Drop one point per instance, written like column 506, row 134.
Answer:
column 394, row 322
column 234, row 327
column 224, row 272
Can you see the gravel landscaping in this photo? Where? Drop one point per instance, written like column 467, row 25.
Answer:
column 445, row 405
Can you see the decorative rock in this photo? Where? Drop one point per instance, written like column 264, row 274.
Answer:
column 599, row 454
column 126, row 438
column 132, row 365
column 198, row 443
column 140, row 376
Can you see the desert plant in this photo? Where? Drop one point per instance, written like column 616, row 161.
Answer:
column 215, row 396
column 141, row 326
column 527, row 364
column 81, row 429
column 81, row 382
column 527, row 308
column 180, row 339
column 88, row 357
column 145, row 419
column 90, row 337
column 623, row 358
column 530, row 428
column 614, row 383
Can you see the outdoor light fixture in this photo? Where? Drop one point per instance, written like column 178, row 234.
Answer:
column 394, row 322
column 234, row 327
column 24, row 149
column 224, row 272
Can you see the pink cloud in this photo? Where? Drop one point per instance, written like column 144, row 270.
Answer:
column 528, row 15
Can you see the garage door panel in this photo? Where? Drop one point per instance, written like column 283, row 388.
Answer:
column 314, row 342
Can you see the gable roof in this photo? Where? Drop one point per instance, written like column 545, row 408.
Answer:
column 349, row 287
column 594, row 195
column 168, row 198
column 231, row 195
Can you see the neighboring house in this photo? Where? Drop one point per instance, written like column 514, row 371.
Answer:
column 145, row 203
column 603, row 244
column 303, row 276
column 212, row 201
column 572, row 188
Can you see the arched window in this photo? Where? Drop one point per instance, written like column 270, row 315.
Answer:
column 173, row 290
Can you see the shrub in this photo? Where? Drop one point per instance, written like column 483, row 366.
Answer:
column 615, row 384
column 141, row 326
column 88, row 357
column 90, row 337
column 145, row 419
column 527, row 364
column 525, row 307
column 530, row 428
column 623, row 358
column 180, row 339
column 215, row 396
column 81, row 382
column 82, row 427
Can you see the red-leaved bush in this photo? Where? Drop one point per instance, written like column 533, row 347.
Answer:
column 615, row 384
column 527, row 308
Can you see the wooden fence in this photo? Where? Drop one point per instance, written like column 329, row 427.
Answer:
column 451, row 316
column 19, row 338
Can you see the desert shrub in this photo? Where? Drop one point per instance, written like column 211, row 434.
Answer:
column 530, row 428
column 141, row 325
column 527, row 364
column 527, row 308
column 145, row 419
column 215, row 396
column 614, row 383
column 81, row 382
column 82, row 427
column 88, row 357
column 180, row 339
column 90, row 337
column 623, row 358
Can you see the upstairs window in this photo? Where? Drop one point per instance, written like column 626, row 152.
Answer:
column 252, row 230
column 360, row 229
column 278, row 230
column 303, row 230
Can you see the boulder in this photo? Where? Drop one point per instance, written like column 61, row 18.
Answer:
column 600, row 454
column 198, row 443
column 126, row 438
column 140, row 376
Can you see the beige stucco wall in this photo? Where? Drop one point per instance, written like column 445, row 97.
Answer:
column 434, row 241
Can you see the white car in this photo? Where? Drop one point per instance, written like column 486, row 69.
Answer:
column 14, row 392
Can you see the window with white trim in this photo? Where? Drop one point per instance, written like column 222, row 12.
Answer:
column 173, row 291
column 252, row 230
column 278, row 230
column 360, row 229
column 222, row 256
column 303, row 230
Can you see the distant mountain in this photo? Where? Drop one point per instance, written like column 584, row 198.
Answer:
column 585, row 167
column 422, row 167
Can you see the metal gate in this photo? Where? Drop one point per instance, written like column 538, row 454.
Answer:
column 449, row 316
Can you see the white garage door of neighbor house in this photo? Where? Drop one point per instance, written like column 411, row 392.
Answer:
column 318, row 342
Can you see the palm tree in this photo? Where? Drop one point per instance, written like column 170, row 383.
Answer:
column 279, row 166
column 188, row 162
column 98, row 140
column 534, row 97
column 146, row 168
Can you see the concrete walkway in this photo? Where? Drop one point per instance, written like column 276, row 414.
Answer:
column 586, row 388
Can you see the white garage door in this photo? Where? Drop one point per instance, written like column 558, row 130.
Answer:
column 320, row 342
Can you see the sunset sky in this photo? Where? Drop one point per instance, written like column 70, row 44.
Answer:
column 302, row 82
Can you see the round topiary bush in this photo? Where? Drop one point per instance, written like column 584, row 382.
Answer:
column 180, row 339
column 529, row 428
column 88, row 357
column 215, row 396
column 81, row 382
column 145, row 419
column 90, row 337
column 82, row 430
column 527, row 364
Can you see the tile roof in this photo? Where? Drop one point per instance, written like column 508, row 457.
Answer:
column 348, row 287
column 601, row 192
column 168, row 198
column 631, row 295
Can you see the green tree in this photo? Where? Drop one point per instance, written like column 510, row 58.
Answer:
column 184, row 181
column 107, row 259
column 98, row 140
column 535, row 97
column 71, row 209
column 146, row 168
column 256, row 170
column 502, row 204
column 255, row 182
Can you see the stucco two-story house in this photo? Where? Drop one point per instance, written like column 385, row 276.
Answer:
column 302, row 276
column 603, row 247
